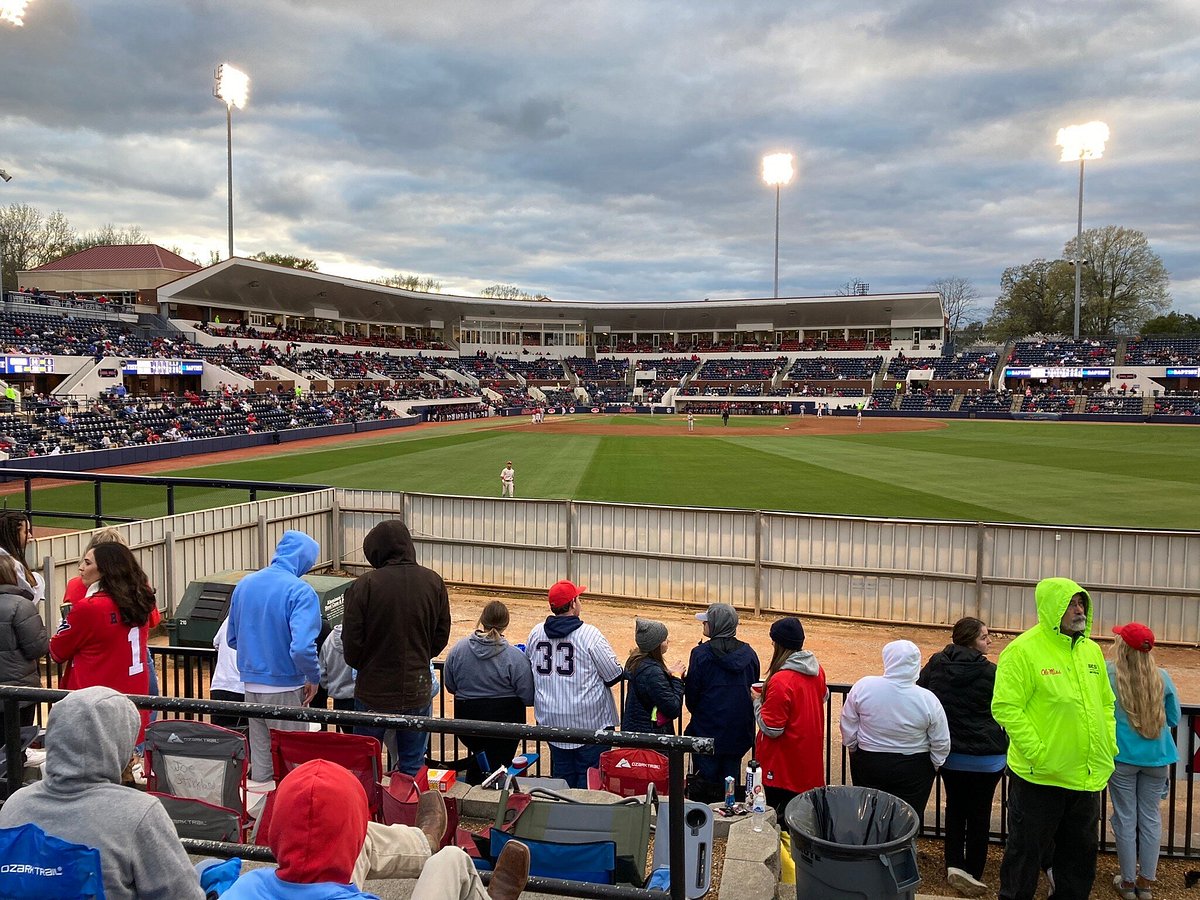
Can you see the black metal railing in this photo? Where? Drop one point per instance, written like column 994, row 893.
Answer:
column 171, row 483
column 673, row 747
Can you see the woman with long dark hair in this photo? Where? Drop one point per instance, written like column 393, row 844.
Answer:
column 491, row 682
column 654, row 699
column 16, row 531
column 103, row 638
column 1147, row 709
column 791, row 718
column 962, row 678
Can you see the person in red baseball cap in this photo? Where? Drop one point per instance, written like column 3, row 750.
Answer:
column 1147, row 709
column 574, row 669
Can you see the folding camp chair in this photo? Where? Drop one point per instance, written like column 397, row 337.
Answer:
column 629, row 772
column 197, row 761
column 553, row 818
column 361, row 754
column 39, row 865
column 202, row 821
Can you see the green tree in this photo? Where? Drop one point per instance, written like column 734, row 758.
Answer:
column 1123, row 283
column 505, row 292
column 958, row 301
column 410, row 283
column 1037, row 297
column 1171, row 324
column 287, row 260
column 28, row 239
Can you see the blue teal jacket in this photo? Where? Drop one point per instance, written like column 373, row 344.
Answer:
column 275, row 617
column 1135, row 750
column 265, row 884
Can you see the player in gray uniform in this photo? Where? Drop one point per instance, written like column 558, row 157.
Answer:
column 574, row 669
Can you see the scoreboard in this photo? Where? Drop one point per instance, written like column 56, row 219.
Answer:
column 27, row 365
column 164, row 367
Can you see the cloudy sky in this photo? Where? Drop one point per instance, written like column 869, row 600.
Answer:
column 610, row 149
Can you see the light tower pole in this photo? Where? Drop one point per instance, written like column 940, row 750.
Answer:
column 232, row 87
column 1081, row 142
column 777, row 171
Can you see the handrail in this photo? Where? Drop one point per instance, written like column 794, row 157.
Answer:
column 170, row 482
column 674, row 747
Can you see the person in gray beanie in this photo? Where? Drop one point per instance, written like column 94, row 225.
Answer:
column 717, row 694
column 654, row 699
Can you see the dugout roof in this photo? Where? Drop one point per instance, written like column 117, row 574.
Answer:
column 262, row 287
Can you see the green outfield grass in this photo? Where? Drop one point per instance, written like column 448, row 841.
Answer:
column 1048, row 472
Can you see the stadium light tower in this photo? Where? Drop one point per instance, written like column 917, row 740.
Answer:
column 13, row 12
column 1081, row 142
column 7, row 178
column 776, row 172
column 231, row 88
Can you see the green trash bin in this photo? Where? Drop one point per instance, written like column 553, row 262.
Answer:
column 853, row 843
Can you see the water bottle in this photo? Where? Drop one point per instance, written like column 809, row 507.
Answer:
column 730, row 799
column 758, row 808
column 751, row 779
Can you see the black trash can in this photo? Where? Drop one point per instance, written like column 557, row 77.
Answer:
column 853, row 843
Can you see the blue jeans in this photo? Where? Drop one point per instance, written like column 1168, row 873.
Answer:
column 406, row 749
column 1136, row 792
column 572, row 765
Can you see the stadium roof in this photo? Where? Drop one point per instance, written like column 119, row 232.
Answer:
column 120, row 256
column 263, row 287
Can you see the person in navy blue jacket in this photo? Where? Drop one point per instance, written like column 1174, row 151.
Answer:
column 654, row 697
column 717, row 694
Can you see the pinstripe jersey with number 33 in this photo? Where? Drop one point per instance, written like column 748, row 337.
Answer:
column 574, row 668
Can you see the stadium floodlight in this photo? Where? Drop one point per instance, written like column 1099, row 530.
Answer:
column 232, row 87
column 1081, row 142
column 13, row 12
column 777, row 171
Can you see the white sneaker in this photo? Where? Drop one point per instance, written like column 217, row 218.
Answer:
column 965, row 883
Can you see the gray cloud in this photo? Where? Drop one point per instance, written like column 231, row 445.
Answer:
column 611, row 151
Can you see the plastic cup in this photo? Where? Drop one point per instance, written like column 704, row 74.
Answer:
column 756, row 689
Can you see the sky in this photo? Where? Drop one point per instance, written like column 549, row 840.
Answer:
column 611, row 149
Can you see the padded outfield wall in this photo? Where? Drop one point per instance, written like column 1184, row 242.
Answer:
column 881, row 570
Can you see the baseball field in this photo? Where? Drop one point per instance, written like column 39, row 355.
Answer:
column 1043, row 472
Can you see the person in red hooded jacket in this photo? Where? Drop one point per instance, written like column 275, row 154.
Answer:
column 791, row 717
column 327, row 847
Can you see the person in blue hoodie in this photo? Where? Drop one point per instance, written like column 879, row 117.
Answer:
column 717, row 694
column 274, row 620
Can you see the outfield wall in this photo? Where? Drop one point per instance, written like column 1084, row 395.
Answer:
column 896, row 571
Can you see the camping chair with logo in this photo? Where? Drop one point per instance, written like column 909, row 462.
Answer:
column 198, row 770
column 557, row 822
column 629, row 772
column 39, row 866
column 361, row 754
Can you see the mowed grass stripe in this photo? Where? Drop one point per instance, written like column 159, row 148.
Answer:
column 1044, row 472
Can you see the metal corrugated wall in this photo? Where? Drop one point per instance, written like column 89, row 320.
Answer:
column 889, row 570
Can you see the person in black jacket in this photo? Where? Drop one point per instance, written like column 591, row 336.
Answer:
column 962, row 678
column 717, row 693
column 396, row 619
column 654, row 698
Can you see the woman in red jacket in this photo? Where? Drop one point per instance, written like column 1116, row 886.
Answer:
column 791, row 718
column 103, row 637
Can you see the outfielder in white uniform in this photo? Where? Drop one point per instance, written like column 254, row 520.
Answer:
column 691, row 422
column 506, row 479
column 574, row 669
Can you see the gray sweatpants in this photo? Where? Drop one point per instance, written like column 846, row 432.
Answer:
column 260, row 730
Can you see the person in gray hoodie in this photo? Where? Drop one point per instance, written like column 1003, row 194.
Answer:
column 89, row 739
column 491, row 681
column 23, row 638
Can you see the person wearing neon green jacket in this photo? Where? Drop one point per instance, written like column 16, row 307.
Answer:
column 1054, row 699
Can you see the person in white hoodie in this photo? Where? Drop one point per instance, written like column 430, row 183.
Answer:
column 896, row 733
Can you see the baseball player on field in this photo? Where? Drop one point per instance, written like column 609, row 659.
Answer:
column 574, row 669
column 691, row 420
column 506, row 480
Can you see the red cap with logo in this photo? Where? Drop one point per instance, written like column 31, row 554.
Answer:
column 563, row 592
column 1136, row 635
